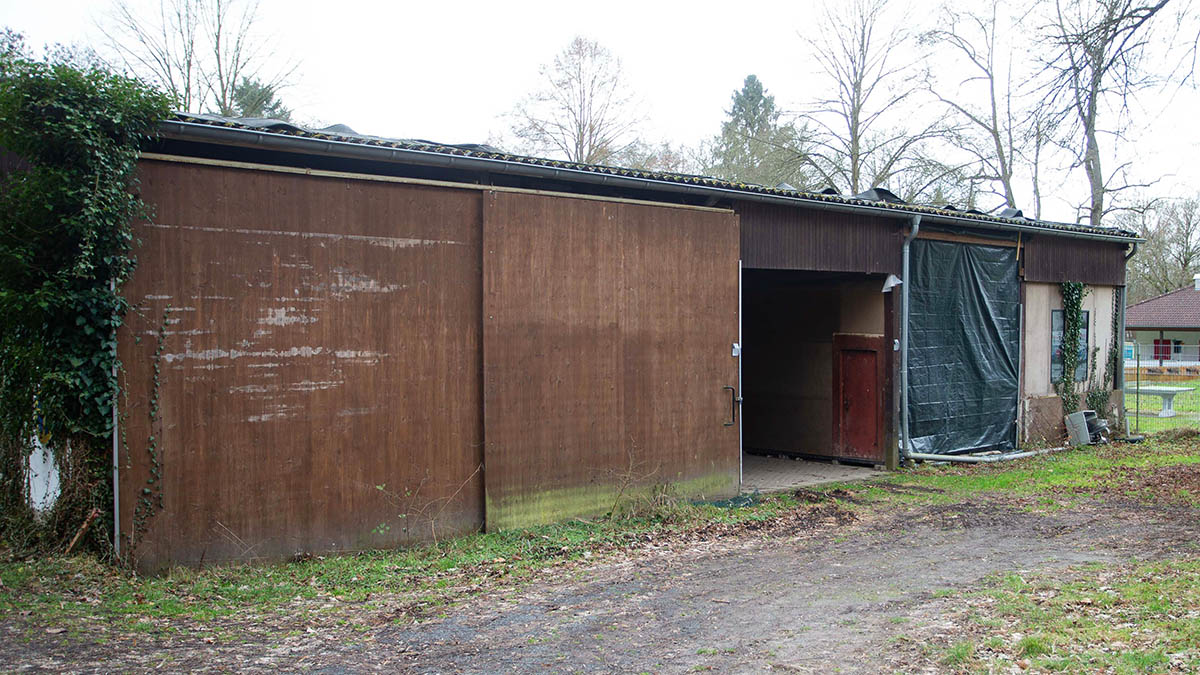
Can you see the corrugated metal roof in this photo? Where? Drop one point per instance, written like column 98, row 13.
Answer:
column 343, row 134
column 1177, row 309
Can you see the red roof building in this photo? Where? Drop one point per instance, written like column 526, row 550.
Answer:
column 1177, row 310
column 1167, row 328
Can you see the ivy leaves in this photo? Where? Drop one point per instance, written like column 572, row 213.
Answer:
column 70, row 137
column 1073, row 293
column 65, row 237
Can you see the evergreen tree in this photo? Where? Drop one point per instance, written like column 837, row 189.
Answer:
column 254, row 98
column 756, row 145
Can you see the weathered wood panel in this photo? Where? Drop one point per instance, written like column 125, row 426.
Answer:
column 780, row 237
column 321, row 366
column 1057, row 259
column 607, row 332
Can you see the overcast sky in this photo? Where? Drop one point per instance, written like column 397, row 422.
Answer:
column 448, row 71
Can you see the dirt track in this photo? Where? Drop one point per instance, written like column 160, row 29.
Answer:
column 801, row 596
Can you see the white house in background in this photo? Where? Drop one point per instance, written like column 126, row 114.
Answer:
column 1167, row 327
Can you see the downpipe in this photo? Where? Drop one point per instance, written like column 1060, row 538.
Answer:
column 1119, row 373
column 116, row 444
column 984, row 459
column 905, row 440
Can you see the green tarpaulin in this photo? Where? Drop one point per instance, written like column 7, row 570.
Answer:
column 964, row 318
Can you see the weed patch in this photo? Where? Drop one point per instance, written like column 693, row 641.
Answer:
column 1138, row 618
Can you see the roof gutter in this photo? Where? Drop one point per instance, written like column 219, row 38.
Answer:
column 272, row 141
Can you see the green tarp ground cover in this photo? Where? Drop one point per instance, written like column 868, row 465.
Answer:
column 964, row 341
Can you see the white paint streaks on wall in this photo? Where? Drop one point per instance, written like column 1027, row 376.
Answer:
column 385, row 242
column 356, row 354
column 214, row 354
column 348, row 281
column 267, row 417
column 253, row 389
column 355, row 412
column 309, row 385
column 285, row 316
column 279, row 411
column 360, row 356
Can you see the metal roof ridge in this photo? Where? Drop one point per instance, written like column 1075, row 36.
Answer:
column 694, row 180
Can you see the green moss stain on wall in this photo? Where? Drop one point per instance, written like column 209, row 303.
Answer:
column 558, row 504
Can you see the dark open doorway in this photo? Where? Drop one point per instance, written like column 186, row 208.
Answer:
column 816, row 365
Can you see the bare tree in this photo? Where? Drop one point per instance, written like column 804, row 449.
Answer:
column 160, row 49
column 1171, row 254
column 1098, row 62
column 662, row 156
column 857, row 149
column 231, row 50
column 584, row 109
column 991, row 131
column 1041, row 127
column 927, row 179
column 200, row 51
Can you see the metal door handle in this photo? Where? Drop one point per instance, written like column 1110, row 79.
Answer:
column 734, row 400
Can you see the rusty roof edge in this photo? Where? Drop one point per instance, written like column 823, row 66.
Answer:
column 246, row 137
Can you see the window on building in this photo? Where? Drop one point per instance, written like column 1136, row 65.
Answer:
column 1056, row 346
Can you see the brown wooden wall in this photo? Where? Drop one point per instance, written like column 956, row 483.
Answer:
column 1057, row 259
column 321, row 369
column 607, row 334
column 782, row 237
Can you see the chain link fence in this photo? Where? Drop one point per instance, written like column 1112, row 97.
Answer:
column 1162, row 386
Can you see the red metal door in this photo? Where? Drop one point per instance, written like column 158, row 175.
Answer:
column 858, row 386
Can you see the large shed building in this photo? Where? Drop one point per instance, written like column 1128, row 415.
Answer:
column 356, row 342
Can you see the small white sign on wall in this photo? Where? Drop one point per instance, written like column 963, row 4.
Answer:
column 43, row 486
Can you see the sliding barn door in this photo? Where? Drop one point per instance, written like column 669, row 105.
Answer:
column 607, row 366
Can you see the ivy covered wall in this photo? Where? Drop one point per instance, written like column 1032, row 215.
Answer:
column 71, row 133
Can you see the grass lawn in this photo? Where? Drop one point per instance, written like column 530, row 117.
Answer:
column 1131, row 617
column 1057, row 480
column 65, row 590
column 1143, row 410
